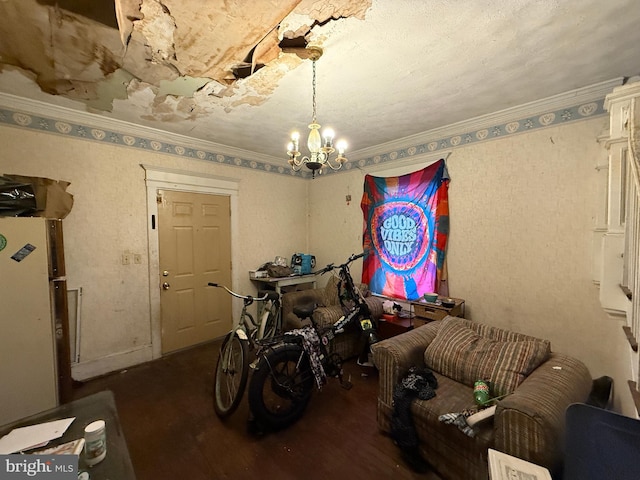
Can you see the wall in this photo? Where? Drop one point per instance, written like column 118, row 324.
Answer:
column 523, row 210
column 520, row 247
column 109, row 217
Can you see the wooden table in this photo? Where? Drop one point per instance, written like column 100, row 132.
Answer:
column 117, row 464
column 429, row 311
column 278, row 283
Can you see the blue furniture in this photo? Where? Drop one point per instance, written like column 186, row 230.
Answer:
column 601, row 444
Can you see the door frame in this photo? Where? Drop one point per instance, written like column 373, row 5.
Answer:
column 162, row 178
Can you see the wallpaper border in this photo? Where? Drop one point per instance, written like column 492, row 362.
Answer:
column 21, row 119
column 552, row 118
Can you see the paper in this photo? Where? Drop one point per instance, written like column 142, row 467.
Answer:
column 480, row 416
column 507, row 467
column 25, row 438
column 70, row 448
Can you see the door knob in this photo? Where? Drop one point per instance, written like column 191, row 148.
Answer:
column 166, row 286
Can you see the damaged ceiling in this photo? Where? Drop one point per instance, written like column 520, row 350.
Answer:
column 234, row 72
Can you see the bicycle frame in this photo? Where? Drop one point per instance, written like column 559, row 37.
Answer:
column 242, row 327
column 233, row 360
column 360, row 311
column 269, row 307
column 289, row 364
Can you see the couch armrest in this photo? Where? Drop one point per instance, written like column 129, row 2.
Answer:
column 395, row 355
column 375, row 307
column 327, row 316
column 530, row 423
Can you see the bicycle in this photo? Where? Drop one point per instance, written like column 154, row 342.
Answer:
column 288, row 365
column 232, row 368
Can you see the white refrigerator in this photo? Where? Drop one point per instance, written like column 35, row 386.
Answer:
column 34, row 332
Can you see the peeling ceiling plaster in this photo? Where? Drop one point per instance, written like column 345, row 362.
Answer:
column 233, row 72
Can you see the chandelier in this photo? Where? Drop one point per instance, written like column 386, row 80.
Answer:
column 320, row 148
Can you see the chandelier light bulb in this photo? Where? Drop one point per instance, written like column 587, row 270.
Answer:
column 295, row 138
column 341, row 146
column 328, row 135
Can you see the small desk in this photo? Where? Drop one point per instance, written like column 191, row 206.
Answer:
column 429, row 311
column 278, row 283
column 117, row 464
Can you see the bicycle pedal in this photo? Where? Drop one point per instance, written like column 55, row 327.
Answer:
column 253, row 364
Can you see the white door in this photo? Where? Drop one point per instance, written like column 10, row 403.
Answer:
column 194, row 234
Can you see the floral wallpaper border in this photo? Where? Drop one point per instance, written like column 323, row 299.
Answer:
column 565, row 115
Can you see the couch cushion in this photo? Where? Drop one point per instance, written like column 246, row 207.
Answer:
column 502, row 358
column 331, row 292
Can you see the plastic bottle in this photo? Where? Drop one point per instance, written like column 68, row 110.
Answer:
column 481, row 392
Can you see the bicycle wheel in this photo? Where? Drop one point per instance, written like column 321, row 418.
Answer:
column 281, row 386
column 231, row 374
column 272, row 325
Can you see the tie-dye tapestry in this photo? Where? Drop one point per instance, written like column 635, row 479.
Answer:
column 406, row 225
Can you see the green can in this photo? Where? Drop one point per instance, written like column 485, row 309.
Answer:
column 481, row 392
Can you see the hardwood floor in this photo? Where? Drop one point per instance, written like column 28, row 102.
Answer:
column 172, row 432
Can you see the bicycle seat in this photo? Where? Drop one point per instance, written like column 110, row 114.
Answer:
column 304, row 311
column 271, row 295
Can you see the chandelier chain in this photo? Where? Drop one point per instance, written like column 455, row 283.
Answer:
column 314, row 91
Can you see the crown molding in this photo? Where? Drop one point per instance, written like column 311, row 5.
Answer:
column 572, row 98
column 574, row 105
column 87, row 119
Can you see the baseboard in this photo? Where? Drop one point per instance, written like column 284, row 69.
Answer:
column 111, row 363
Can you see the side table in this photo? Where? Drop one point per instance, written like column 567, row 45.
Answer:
column 277, row 283
column 117, row 464
column 429, row 311
column 392, row 325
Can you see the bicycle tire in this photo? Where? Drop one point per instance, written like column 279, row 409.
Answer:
column 272, row 326
column 279, row 392
column 229, row 384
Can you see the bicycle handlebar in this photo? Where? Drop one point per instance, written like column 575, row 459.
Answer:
column 237, row 295
column 331, row 266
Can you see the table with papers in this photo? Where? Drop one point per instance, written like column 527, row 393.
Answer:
column 71, row 418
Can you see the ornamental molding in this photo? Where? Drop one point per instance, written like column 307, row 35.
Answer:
column 580, row 104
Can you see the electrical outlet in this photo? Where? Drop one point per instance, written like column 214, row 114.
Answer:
column 137, row 258
column 126, row 259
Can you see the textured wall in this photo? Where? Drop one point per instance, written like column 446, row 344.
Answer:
column 520, row 252
column 109, row 217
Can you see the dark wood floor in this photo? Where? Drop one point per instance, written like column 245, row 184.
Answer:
column 172, row 432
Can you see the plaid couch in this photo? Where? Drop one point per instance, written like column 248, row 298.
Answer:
column 328, row 311
column 528, row 422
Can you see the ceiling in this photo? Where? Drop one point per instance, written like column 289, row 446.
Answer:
column 233, row 72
